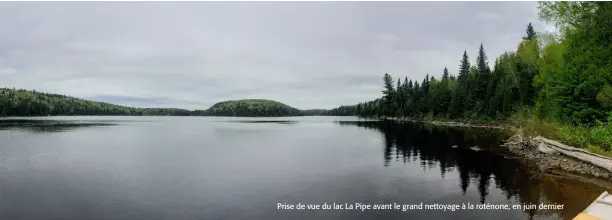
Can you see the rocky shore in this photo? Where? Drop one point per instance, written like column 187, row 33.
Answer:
column 545, row 160
column 460, row 124
column 451, row 123
column 549, row 162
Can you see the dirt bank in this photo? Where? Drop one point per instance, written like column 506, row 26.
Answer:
column 527, row 149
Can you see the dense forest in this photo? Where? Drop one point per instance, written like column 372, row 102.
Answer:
column 252, row 108
column 477, row 92
column 311, row 112
column 19, row 102
column 559, row 83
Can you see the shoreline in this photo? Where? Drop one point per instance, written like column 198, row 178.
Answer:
column 525, row 149
column 454, row 123
column 531, row 153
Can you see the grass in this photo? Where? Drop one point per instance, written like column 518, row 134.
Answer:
column 596, row 139
column 599, row 150
column 535, row 128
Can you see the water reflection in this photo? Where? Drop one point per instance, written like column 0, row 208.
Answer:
column 45, row 126
column 264, row 121
column 431, row 146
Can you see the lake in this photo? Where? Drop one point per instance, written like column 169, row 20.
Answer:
column 115, row 168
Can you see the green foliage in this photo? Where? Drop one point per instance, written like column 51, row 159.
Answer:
column 556, row 85
column 314, row 112
column 597, row 139
column 604, row 96
column 389, row 94
column 566, row 15
column 482, row 81
column 551, row 64
column 458, row 102
column 31, row 103
column 599, row 150
column 522, row 115
column 21, row 102
column 528, row 56
column 535, row 127
column 252, row 108
column 587, row 63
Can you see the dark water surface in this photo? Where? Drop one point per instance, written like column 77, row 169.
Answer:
column 116, row 168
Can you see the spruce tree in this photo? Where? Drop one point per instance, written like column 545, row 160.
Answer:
column 482, row 79
column 464, row 70
column 399, row 97
column 491, row 99
column 416, row 98
column 405, row 94
column 457, row 106
column 425, row 94
column 425, row 86
column 410, row 98
column 531, row 34
column 389, row 90
column 388, row 93
column 445, row 93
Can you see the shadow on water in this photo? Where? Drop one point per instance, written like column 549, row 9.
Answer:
column 432, row 146
column 46, row 126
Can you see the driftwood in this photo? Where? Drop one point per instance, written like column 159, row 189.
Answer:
column 553, row 147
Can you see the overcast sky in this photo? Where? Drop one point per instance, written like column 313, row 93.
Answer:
column 191, row 55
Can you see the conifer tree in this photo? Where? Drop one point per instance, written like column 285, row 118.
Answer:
column 531, row 34
column 399, row 98
column 445, row 94
column 482, row 79
column 388, row 94
column 461, row 91
column 410, row 99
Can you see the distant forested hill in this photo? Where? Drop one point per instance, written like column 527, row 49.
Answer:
column 315, row 111
column 252, row 108
column 20, row 102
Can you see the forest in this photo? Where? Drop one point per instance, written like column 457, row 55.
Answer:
column 20, row 102
column 252, row 108
column 554, row 84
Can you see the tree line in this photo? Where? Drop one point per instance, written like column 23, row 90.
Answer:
column 20, row 102
column 562, row 77
column 252, row 108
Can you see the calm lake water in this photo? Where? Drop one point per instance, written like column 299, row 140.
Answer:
column 177, row 168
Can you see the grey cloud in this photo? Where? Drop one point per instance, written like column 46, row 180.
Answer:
column 193, row 54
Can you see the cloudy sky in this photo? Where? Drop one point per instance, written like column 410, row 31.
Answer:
column 191, row 55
